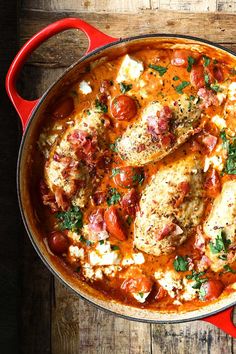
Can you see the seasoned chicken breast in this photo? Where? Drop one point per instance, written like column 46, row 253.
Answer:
column 66, row 169
column 171, row 205
column 160, row 130
column 220, row 227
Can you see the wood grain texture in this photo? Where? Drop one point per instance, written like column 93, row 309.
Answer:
column 76, row 326
column 216, row 27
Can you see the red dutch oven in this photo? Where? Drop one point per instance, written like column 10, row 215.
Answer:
column 30, row 112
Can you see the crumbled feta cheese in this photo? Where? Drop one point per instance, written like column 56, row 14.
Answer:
column 232, row 91
column 98, row 273
column 88, row 271
column 130, row 69
column 111, row 270
column 170, row 281
column 85, row 88
column 189, row 292
column 138, row 258
column 127, row 261
column 76, row 252
column 219, row 122
column 141, row 297
column 221, row 97
column 216, row 161
column 103, row 255
column 142, row 83
column 74, row 236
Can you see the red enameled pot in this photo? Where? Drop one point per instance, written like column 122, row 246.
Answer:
column 100, row 44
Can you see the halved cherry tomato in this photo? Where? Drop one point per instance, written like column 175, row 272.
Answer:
column 180, row 57
column 197, row 77
column 211, row 290
column 64, row 108
column 123, row 107
column 212, row 183
column 142, row 284
column 58, row 242
column 114, row 223
column 126, row 177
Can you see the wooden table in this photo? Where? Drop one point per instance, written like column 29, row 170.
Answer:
column 53, row 320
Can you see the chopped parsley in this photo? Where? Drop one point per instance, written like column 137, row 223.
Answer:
column 113, row 146
column 115, row 247
column 101, row 242
column 230, row 166
column 101, row 107
column 221, row 244
column 223, row 257
column 141, row 295
column 197, row 278
column 124, row 87
column 207, row 80
column 191, row 61
column 138, row 177
column 161, row 69
column 228, row 269
column 202, row 293
column 216, row 88
column 181, row 264
column 175, row 78
column 113, row 197
column 115, row 171
column 180, row 87
column 71, row 219
column 206, row 60
column 84, row 240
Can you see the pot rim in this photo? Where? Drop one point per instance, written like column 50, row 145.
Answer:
column 20, row 202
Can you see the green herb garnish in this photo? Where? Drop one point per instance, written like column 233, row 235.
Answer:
column 221, row 243
column 181, row 264
column 230, row 166
column 138, row 177
column 101, row 242
column 115, row 171
column 207, row 80
column 202, row 293
column 124, row 87
column 228, row 269
column 175, row 78
column 206, row 60
column 101, row 107
column 113, row 146
column 191, row 61
column 114, row 197
column 161, row 69
column 181, row 86
column 141, row 295
column 115, row 247
column 129, row 220
column 197, row 278
column 216, row 88
column 71, row 219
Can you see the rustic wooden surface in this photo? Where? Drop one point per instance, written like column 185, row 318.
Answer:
column 53, row 320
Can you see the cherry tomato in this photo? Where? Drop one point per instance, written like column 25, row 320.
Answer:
column 180, row 57
column 212, row 183
column 211, row 290
column 58, row 242
column 142, row 284
column 114, row 223
column 123, row 107
column 64, row 108
column 126, row 177
column 197, row 77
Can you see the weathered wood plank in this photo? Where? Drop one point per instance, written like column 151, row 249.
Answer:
column 183, row 5
column 78, row 327
column 215, row 27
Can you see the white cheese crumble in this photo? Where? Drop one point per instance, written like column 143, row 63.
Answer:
column 103, row 255
column 219, row 122
column 138, row 258
column 76, row 252
column 84, row 87
column 221, row 97
column 232, row 91
column 130, row 69
column 170, row 281
column 215, row 161
column 141, row 297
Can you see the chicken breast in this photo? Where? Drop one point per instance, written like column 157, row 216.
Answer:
column 171, row 205
column 160, row 130
column 67, row 171
column 220, row 228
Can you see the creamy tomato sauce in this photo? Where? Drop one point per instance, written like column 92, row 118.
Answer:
column 137, row 178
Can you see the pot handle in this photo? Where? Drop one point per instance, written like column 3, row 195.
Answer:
column 224, row 321
column 95, row 38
